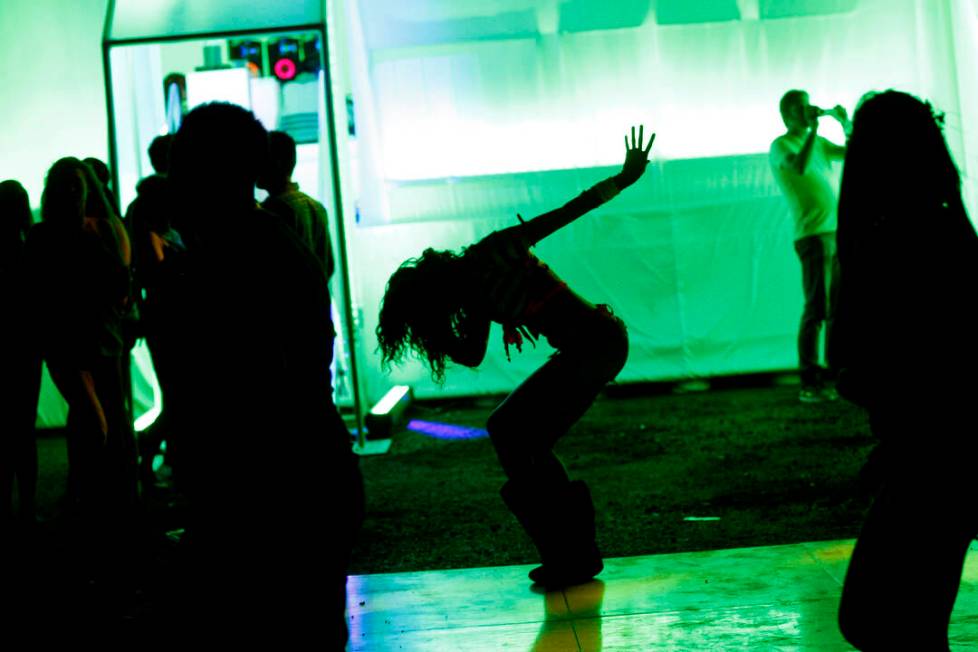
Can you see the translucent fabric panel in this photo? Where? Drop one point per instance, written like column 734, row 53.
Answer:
column 703, row 274
column 53, row 98
column 962, row 123
column 499, row 105
column 460, row 132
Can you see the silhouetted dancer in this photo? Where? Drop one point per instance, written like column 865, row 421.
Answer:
column 22, row 363
column 906, row 329
column 441, row 305
column 304, row 215
column 273, row 486
column 802, row 164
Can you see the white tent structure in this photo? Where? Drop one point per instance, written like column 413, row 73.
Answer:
column 461, row 113
column 470, row 112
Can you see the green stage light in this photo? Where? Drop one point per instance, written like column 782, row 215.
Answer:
column 388, row 412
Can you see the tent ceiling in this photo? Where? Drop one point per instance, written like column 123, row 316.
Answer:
column 398, row 24
column 151, row 20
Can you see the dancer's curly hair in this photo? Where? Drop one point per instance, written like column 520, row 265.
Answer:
column 421, row 308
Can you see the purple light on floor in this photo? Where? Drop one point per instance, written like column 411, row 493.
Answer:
column 356, row 606
column 445, row 430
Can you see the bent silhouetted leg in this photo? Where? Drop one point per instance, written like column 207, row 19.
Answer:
column 557, row 514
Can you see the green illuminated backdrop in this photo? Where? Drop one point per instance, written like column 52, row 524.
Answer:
column 468, row 111
column 475, row 113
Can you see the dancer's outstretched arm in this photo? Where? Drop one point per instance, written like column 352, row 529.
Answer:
column 636, row 159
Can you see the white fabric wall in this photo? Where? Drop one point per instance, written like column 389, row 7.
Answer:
column 467, row 127
column 53, row 104
column 703, row 273
column 51, row 75
column 964, row 19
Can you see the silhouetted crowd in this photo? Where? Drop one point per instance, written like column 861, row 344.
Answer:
column 234, row 305
column 232, row 299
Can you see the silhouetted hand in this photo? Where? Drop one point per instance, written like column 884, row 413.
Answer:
column 839, row 113
column 636, row 159
column 92, row 400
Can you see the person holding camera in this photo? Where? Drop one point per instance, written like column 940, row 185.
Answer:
column 802, row 163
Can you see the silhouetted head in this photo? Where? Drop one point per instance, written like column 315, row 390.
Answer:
column 422, row 303
column 100, row 169
column 796, row 110
column 216, row 156
column 97, row 203
column 153, row 211
column 904, row 238
column 159, row 153
column 898, row 169
column 280, row 164
column 65, row 193
column 15, row 213
column 899, row 181
column 897, row 155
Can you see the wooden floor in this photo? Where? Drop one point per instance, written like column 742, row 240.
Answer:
column 770, row 598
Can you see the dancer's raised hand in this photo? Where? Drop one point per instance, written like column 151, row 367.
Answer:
column 636, row 158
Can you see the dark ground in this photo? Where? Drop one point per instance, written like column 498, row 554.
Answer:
column 773, row 470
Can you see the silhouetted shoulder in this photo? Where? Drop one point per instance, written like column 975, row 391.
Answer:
column 273, row 235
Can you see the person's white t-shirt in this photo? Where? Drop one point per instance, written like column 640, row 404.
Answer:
column 812, row 196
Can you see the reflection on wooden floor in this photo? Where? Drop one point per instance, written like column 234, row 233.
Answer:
column 771, row 598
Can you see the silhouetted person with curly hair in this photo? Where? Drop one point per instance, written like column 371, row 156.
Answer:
column 269, row 471
column 909, row 266
column 441, row 305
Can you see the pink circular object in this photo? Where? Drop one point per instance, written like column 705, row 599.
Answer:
column 285, row 69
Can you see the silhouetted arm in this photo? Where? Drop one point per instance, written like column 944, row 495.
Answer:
column 833, row 151
column 77, row 386
column 471, row 340
column 122, row 236
column 842, row 116
column 112, row 232
column 798, row 163
column 636, row 159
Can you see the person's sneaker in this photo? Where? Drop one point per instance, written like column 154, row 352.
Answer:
column 810, row 395
column 580, row 572
column 829, row 393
